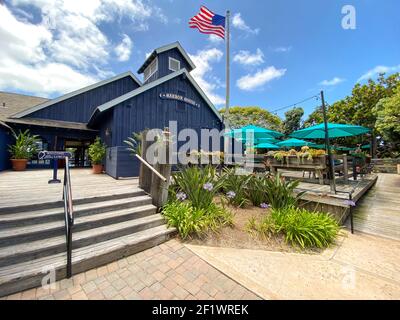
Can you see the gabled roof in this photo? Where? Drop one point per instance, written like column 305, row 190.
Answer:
column 51, row 123
column 113, row 103
column 75, row 93
column 175, row 45
column 12, row 103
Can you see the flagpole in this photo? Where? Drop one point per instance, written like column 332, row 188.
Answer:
column 227, row 41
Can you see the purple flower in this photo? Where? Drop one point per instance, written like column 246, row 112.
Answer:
column 208, row 186
column 264, row 205
column 350, row 203
column 230, row 194
column 181, row 196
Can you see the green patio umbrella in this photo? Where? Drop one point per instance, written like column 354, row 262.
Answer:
column 269, row 140
column 253, row 131
column 265, row 145
column 335, row 130
column 322, row 146
column 294, row 143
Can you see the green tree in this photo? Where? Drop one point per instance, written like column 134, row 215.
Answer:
column 292, row 120
column 315, row 117
column 242, row 116
column 387, row 112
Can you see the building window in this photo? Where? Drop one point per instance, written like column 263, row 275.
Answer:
column 181, row 105
column 151, row 69
column 173, row 64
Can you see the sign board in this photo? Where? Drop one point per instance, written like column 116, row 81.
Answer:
column 177, row 97
column 49, row 155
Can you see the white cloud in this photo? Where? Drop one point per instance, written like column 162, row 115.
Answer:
column 261, row 77
column 62, row 47
column 202, row 74
column 239, row 23
column 246, row 58
column 215, row 39
column 283, row 49
column 377, row 70
column 332, row 82
column 123, row 50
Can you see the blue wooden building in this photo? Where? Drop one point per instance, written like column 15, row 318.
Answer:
column 113, row 109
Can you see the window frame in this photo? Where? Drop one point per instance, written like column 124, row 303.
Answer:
column 169, row 64
column 155, row 61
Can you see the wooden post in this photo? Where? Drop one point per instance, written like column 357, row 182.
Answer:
column 345, row 168
column 159, row 188
column 145, row 173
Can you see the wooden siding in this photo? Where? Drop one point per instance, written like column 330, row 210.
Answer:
column 79, row 108
column 120, row 163
column 5, row 140
column 163, row 64
column 148, row 110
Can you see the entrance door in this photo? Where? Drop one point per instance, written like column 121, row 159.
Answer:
column 80, row 152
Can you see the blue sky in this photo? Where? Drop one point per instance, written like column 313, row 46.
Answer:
column 282, row 51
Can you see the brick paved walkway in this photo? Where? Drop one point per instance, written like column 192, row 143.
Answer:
column 168, row 271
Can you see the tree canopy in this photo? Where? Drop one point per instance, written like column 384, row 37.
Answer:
column 387, row 112
column 242, row 116
column 292, row 120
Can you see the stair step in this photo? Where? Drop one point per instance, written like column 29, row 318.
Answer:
column 29, row 274
column 27, row 218
column 76, row 201
column 41, row 231
column 40, row 248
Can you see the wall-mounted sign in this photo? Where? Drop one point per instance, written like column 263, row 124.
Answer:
column 177, row 97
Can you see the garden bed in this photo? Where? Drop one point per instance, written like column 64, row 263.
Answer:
column 238, row 235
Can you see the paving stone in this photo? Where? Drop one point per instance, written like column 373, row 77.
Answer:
column 89, row 287
column 80, row 295
column 167, row 271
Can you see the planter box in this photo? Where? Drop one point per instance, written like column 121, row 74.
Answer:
column 297, row 162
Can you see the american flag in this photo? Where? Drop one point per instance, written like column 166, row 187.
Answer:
column 208, row 22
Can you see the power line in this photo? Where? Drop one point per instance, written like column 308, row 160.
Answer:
column 316, row 97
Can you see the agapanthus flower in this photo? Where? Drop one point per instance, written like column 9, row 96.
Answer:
column 230, row 194
column 264, row 205
column 208, row 186
column 181, row 196
column 350, row 203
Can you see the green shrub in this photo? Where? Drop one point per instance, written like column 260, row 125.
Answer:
column 234, row 186
column 280, row 192
column 97, row 151
column 304, row 228
column 25, row 145
column 190, row 220
column 199, row 184
column 265, row 228
column 256, row 190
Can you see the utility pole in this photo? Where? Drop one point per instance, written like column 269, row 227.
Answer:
column 227, row 41
column 328, row 147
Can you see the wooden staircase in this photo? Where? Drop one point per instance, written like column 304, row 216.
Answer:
column 107, row 228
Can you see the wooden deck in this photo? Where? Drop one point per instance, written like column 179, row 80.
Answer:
column 318, row 197
column 378, row 212
column 31, row 187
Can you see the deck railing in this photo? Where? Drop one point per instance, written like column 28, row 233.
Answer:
column 68, row 215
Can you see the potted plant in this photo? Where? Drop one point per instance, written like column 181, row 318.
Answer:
column 23, row 149
column 97, row 152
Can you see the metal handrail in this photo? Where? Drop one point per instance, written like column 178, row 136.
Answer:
column 68, row 215
column 148, row 165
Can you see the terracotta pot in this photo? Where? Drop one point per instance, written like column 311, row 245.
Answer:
column 97, row 168
column 19, row 164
